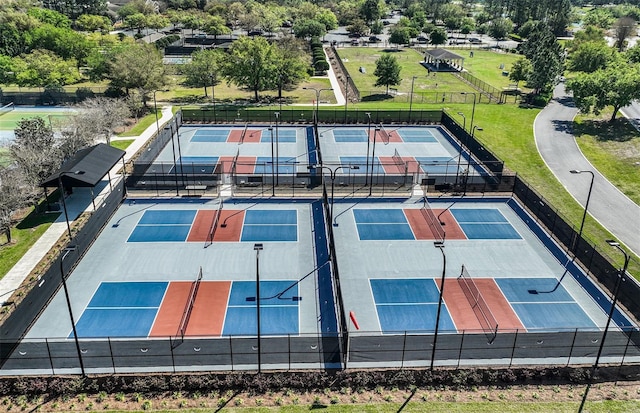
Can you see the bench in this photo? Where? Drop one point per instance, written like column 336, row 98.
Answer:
column 196, row 188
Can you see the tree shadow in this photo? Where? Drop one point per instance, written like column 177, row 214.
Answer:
column 35, row 218
column 566, row 101
column 563, row 125
column 376, row 98
column 620, row 130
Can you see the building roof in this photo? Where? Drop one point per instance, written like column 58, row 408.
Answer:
column 86, row 167
column 443, row 54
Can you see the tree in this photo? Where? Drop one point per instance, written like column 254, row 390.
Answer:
column 251, row 64
column 95, row 119
column 42, row 68
column 358, row 28
column 371, row 10
column 616, row 86
column 205, row 68
column 438, row 36
column 291, row 66
column 623, row 28
column 35, row 150
column 500, row 28
column 589, row 57
column 520, row 70
column 632, row 54
column 91, row 23
column 137, row 66
column 387, row 71
column 305, row 29
column 136, row 21
column 546, row 57
column 14, row 195
column 400, row 35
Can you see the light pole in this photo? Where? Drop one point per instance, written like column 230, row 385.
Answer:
column 332, row 175
column 175, row 162
column 468, row 169
column 213, row 96
column 346, row 96
column 440, row 246
column 318, row 91
column 366, row 171
column 277, row 116
column 473, row 110
column 413, row 79
column 64, row 203
column 621, row 278
column 373, row 159
column 257, row 248
column 66, row 295
column 155, row 109
column 464, row 121
column 586, row 206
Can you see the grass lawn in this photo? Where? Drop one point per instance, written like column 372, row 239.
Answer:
column 142, row 124
column 613, row 148
column 4, row 157
column 122, row 144
column 23, row 235
column 485, row 65
column 9, row 120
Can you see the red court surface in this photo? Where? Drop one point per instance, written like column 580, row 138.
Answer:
column 201, row 225
column 464, row 316
column 251, row 136
column 393, row 136
column 209, row 309
column 245, row 165
column 232, row 219
column 420, row 225
column 170, row 313
column 225, row 164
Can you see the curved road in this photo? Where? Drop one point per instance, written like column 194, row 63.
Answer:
column 558, row 148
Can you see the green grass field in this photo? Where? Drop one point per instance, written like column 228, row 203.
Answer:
column 9, row 120
column 485, row 65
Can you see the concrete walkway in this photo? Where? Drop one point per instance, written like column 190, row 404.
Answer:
column 559, row 150
column 77, row 203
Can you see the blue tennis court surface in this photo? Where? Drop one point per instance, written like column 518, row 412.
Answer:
column 361, row 161
column 438, row 165
column 278, row 314
column 416, row 135
column 121, row 309
column 350, row 135
column 196, row 164
column 210, row 135
column 382, row 224
column 548, row 308
column 408, row 305
column 484, row 224
column 264, row 165
column 270, row 225
column 284, row 136
column 163, row 226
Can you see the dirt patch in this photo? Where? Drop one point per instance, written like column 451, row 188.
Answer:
column 346, row 395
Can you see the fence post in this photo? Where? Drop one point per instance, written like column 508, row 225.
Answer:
column 575, row 333
column 113, row 362
column 460, row 350
column 53, row 371
column 513, row 349
column 404, row 345
column 624, row 354
column 231, row 353
column 173, row 361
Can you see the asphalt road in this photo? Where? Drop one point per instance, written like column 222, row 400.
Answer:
column 557, row 146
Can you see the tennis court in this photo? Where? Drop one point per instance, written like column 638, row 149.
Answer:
column 10, row 115
column 499, row 277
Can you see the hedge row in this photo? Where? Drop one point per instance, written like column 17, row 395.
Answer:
column 366, row 379
column 320, row 63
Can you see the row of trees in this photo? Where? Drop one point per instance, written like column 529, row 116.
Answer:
column 37, row 152
column 253, row 63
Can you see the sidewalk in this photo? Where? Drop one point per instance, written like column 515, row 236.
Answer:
column 556, row 144
column 77, row 203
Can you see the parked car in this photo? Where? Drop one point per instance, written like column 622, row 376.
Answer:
column 422, row 39
column 374, row 39
column 475, row 40
column 255, row 33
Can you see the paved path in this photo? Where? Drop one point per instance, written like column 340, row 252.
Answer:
column 558, row 148
column 78, row 202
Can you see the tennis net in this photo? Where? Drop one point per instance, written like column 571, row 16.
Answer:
column 384, row 135
column 244, row 132
column 214, row 225
column 402, row 165
column 434, row 223
column 7, row 108
column 478, row 304
column 184, row 322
